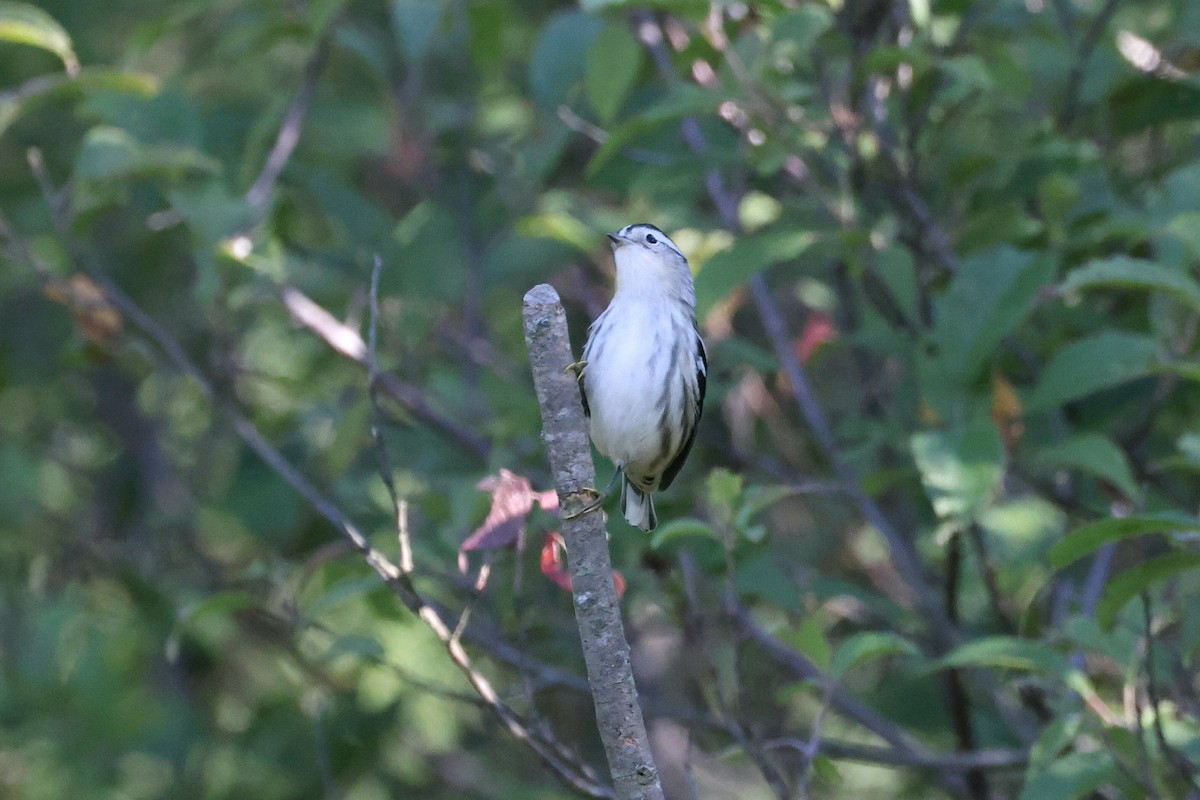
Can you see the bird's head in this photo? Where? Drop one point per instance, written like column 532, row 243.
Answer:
column 648, row 262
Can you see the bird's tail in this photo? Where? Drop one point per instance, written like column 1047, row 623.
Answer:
column 637, row 506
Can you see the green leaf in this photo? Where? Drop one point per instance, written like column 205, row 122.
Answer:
column 1096, row 455
column 559, row 226
column 48, row 88
column 1132, row 582
column 895, row 266
column 1055, row 737
column 26, row 24
column 990, row 294
column 1070, row 777
column 1006, row 652
column 868, row 646
column 613, row 61
column 1133, row 273
column 679, row 529
column 109, row 154
column 959, row 468
column 1089, row 538
column 683, row 100
column 758, row 498
column 761, row 575
column 560, row 55
column 745, row 258
column 810, row 639
column 221, row 604
column 416, row 23
column 362, row 647
column 340, row 592
column 1146, row 101
column 1186, row 228
column 826, row 769
column 1097, row 362
column 802, row 27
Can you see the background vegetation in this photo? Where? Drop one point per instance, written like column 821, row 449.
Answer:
column 938, row 534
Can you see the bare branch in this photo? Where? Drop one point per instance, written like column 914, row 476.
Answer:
column 597, row 612
column 349, row 342
column 289, row 130
column 399, row 579
column 944, row 762
column 575, row 775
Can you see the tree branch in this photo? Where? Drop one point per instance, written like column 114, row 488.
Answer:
column 1082, row 55
column 597, row 612
column 572, row 772
column 349, row 342
column 903, row 552
column 288, row 136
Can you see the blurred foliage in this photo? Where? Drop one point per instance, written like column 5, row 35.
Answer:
column 981, row 222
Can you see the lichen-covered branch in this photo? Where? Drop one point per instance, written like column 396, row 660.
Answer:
column 597, row 613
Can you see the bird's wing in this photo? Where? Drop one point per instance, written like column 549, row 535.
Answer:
column 701, row 381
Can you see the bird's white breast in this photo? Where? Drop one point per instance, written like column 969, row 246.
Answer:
column 624, row 380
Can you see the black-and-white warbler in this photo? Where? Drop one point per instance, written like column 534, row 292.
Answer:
column 644, row 369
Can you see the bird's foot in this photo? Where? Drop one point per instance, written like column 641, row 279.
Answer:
column 576, row 367
column 597, row 501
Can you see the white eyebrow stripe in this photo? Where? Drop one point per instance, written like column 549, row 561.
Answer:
column 662, row 237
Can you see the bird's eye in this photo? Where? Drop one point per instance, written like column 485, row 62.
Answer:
column 650, row 238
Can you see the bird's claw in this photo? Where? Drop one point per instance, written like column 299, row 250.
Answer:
column 596, row 502
column 577, row 367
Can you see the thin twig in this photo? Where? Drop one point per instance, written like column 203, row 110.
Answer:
column 348, row 341
column 572, row 774
column 957, row 698
column 341, row 337
column 289, row 130
column 944, row 762
column 813, row 746
column 840, row 701
column 1178, row 760
column 397, row 579
column 1082, row 55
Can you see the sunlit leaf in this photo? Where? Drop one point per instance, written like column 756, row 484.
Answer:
column 959, row 468
column 27, row 24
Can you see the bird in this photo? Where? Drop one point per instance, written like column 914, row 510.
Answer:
column 643, row 372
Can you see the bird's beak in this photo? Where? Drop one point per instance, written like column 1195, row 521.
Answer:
column 614, row 240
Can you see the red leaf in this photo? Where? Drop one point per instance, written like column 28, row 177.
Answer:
column 512, row 500
column 818, row 329
column 554, row 565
